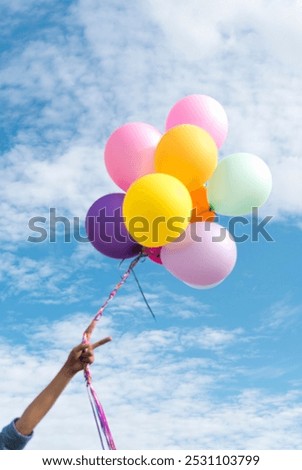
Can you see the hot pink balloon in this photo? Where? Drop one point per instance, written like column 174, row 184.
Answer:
column 129, row 152
column 205, row 255
column 202, row 111
column 154, row 254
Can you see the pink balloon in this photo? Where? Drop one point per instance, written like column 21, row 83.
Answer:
column 202, row 111
column 129, row 152
column 205, row 255
column 210, row 286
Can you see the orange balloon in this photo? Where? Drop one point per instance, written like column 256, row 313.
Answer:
column 201, row 211
column 187, row 152
column 200, row 199
column 208, row 216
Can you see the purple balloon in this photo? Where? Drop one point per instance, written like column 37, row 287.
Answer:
column 106, row 230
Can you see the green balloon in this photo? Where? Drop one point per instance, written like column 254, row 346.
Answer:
column 240, row 182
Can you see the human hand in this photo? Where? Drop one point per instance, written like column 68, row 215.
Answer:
column 81, row 356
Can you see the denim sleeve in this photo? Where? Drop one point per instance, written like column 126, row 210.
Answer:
column 11, row 439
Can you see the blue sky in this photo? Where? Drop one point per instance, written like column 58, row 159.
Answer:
column 219, row 368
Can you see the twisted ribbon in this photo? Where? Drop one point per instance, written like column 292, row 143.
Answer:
column 97, row 409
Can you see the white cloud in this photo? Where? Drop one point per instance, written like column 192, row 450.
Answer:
column 281, row 314
column 214, row 28
column 211, row 338
column 55, row 280
column 286, row 193
column 67, row 332
column 161, row 301
column 69, row 183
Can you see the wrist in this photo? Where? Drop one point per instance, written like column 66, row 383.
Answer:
column 67, row 371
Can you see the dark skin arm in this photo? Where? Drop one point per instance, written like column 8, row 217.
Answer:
column 79, row 357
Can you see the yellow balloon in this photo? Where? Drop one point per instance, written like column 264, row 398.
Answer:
column 189, row 153
column 157, row 209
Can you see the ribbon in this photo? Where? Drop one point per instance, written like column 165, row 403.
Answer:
column 97, row 409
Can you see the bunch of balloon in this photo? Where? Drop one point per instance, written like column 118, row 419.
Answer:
column 173, row 186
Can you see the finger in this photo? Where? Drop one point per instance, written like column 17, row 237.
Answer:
column 86, row 360
column 80, row 347
column 88, row 353
column 101, row 342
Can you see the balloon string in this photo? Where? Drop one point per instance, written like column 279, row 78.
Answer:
column 95, row 418
column 89, row 330
column 98, row 411
column 143, row 295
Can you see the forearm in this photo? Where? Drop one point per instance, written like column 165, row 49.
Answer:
column 36, row 411
column 78, row 359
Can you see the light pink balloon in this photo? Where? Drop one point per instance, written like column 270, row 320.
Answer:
column 205, row 255
column 129, row 152
column 210, row 286
column 202, row 111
